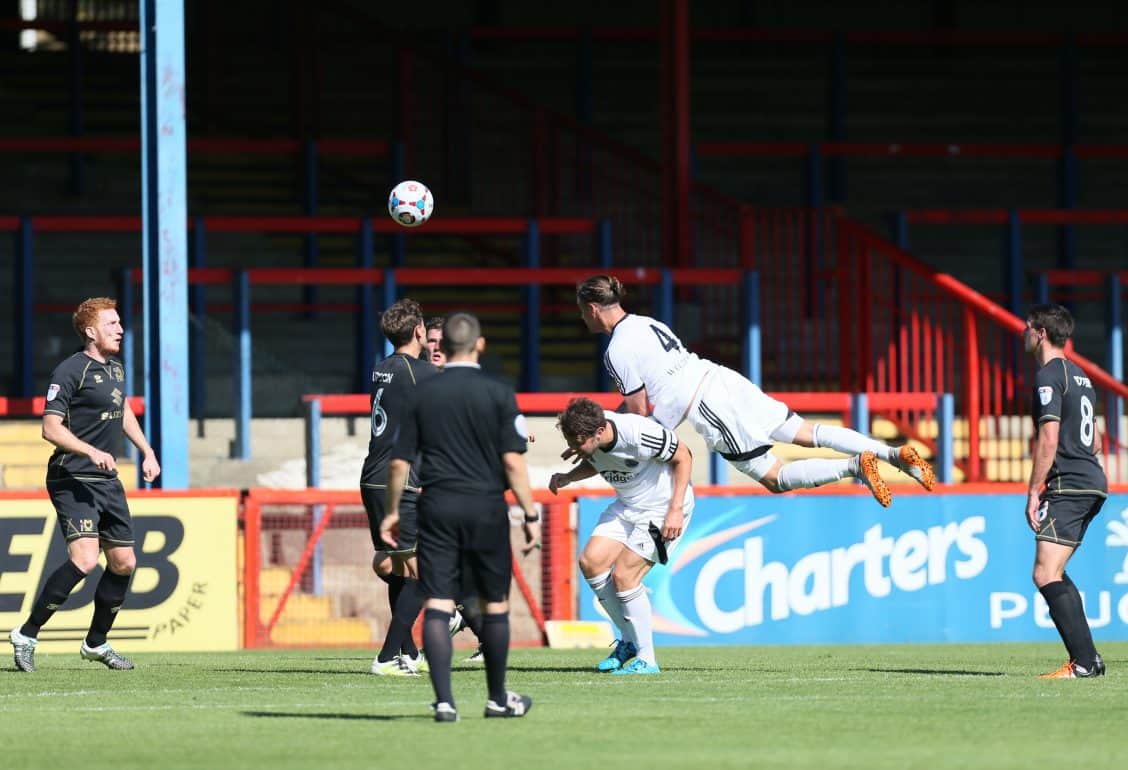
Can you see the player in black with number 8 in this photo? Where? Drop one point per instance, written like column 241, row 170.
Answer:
column 1067, row 484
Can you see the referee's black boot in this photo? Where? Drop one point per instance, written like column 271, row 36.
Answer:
column 444, row 712
column 1096, row 668
column 515, row 706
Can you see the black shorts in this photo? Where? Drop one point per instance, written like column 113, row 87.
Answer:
column 92, row 509
column 464, row 547
column 1066, row 517
column 374, row 499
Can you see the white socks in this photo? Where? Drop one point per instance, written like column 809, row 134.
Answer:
column 850, row 442
column 636, row 602
column 604, row 589
column 630, row 611
column 812, row 472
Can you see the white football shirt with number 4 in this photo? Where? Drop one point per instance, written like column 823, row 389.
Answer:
column 645, row 353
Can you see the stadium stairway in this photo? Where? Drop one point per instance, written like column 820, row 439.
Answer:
column 308, row 616
column 24, row 454
column 787, row 83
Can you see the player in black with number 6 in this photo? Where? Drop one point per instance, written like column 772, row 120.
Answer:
column 1067, row 484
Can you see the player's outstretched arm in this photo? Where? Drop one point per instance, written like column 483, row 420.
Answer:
column 61, row 436
column 682, row 465
column 636, row 403
column 584, row 470
column 150, row 468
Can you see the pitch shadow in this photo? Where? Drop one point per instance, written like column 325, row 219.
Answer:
column 940, row 672
column 289, row 671
column 346, row 717
column 552, row 669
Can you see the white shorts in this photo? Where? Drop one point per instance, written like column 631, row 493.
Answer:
column 632, row 528
column 740, row 422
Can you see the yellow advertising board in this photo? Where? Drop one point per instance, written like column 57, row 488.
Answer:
column 184, row 594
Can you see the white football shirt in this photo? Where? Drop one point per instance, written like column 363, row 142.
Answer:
column 645, row 353
column 637, row 463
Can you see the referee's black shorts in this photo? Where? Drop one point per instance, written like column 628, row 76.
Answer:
column 1064, row 518
column 464, row 547
column 374, row 499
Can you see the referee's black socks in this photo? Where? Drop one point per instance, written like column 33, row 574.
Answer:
column 1068, row 614
column 495, row 649
column 437, row 643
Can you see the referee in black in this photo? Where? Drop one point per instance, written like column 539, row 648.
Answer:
column 470, row 440
column 1068, row 486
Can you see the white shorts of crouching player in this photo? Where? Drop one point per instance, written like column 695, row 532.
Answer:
column 632, row 527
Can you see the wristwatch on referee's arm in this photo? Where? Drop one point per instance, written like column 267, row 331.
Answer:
column 532, row 519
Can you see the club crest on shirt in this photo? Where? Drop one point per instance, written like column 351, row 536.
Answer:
column 52, row 391
column 117, row 372
column 1045, row 394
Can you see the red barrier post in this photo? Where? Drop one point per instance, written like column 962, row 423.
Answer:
column 972, row 393
column 252, row 567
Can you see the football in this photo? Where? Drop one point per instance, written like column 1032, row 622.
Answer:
column 411, row 203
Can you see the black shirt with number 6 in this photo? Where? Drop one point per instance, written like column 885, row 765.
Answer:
column 1063, row 392
column 394, row 381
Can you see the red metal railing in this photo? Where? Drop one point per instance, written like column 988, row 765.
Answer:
column 33, row 407
column 557, row 589
column 892, row 149
column 892, row 323
column 203, row 145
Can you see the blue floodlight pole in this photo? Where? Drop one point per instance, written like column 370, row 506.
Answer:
column 164, row 241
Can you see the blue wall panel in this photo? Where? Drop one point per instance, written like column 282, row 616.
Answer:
column 829, row 569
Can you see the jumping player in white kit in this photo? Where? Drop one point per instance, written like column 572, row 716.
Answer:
column 650, row 470
column 650, row 365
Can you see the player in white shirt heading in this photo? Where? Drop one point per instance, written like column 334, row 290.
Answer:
column 737, row 420
column 650, row 470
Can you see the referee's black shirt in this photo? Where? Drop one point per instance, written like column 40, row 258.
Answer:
column 459, row 425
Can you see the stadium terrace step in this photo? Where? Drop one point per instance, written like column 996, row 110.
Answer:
column 316, row 633
column 299, row 608
column 25, row 476
column 25, row 452
column 273, row 581
column 21, row 431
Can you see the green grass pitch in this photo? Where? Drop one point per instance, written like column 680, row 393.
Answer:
column 956, row 706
